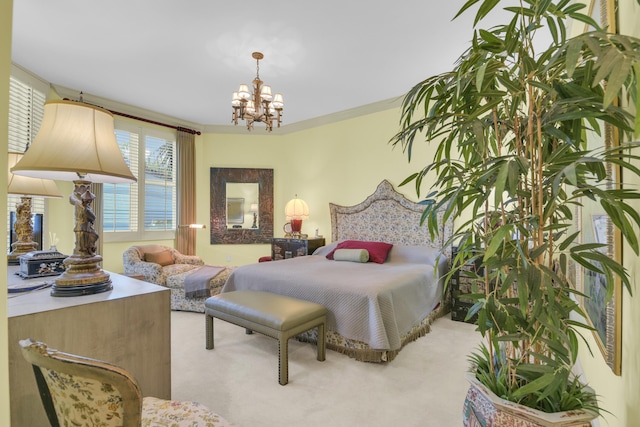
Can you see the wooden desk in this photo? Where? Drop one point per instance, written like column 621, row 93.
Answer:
column 129, row 326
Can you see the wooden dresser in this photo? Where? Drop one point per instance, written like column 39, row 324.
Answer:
column 129, row 326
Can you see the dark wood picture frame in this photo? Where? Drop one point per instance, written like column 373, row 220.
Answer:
column 220, row 233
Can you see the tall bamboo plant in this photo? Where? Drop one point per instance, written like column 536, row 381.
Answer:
column 510, row 124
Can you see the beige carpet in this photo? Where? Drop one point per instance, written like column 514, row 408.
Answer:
column 424, row 386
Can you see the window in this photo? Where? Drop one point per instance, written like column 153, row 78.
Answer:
column 27, row 95
column 146, row 209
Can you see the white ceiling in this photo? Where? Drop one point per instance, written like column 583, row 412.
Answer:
column 184, row 58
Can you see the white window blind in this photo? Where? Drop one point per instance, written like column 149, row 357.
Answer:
column 159, row 184
column 26, row 109
column 146, row 209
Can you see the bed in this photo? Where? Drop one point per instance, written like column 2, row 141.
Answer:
column 374, row 309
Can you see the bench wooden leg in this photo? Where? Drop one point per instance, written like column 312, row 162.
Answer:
column 321, row 343
column 283, row 361
column 209, row 331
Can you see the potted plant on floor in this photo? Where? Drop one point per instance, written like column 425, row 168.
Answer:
column 510, row 125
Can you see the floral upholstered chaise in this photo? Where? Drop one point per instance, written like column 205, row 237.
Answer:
column 167, row 267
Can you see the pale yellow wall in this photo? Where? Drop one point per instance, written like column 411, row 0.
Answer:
column 620, row 395
column 339, row 163
column 5, row 71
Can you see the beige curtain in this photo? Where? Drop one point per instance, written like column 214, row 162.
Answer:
column 186, row 189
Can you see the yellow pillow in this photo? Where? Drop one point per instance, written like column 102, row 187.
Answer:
column 163, row 258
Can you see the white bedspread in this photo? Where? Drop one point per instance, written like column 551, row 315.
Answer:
column 368, row 302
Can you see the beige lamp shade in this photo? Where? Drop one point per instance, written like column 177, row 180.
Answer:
column 278, row 101
column 27, row 186
column 296, row 209
column 75, row 140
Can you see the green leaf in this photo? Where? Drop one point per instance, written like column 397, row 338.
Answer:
column 501, row 182
column 480, row 75
column 486, row 7
column 466, row 6
column 636, row 68
column 534, row 386
column 617, row 78
column 497, row 240
column 573, row 53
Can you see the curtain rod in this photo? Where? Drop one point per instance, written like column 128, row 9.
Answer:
column 142, row 119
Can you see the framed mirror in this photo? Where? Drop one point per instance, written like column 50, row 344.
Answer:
column 241, row 205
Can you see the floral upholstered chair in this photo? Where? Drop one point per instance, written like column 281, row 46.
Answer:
column 79, row 391
column 167, row 267
column 156, row 263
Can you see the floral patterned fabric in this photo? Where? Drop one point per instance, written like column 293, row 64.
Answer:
column 134, row 263
column 158, row 412
column 181, row 303
column 80, row 401
column 387, row 216
column 172, row 276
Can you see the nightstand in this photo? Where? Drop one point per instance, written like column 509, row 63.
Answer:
column 460, row 284
column 283, row 248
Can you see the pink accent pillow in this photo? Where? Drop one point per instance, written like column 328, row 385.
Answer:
column 378, row 251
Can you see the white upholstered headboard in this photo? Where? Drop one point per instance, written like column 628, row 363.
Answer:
column 387, row 216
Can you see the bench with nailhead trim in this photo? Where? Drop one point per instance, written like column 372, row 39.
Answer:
column 277, row 316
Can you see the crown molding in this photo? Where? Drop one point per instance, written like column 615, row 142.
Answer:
column 363, row 110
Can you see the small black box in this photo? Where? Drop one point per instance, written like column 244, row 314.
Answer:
column 459, row 312
column 41, row 263
column 288, row 248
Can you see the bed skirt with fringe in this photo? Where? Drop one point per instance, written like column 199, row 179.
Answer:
column 361, row 351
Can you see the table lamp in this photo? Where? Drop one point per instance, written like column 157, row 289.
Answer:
column 295, row 211
column 26, row 188
column 76, row 142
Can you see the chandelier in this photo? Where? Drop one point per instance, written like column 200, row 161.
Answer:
column 259, row 106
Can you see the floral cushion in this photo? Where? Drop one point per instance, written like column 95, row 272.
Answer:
column 175, row 269
column 159, row 412
column 80, row 401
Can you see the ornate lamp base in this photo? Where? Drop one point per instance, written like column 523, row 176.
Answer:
column 20, row 248
column 82, row 277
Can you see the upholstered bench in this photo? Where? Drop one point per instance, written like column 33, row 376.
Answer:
column 276, row 316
